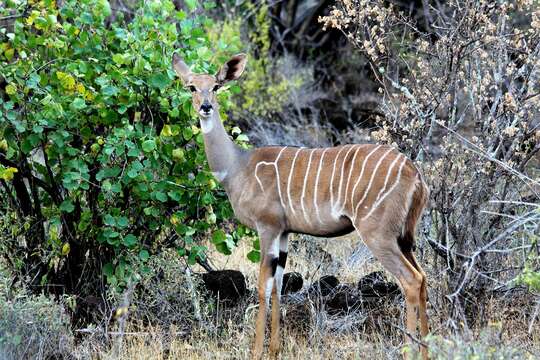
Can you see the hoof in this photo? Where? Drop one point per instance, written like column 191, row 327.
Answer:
column 256, row 355
column 273, row 351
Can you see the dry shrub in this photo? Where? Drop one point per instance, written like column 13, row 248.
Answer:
column 307, row 131
column 167, row 302
column 462, row 99
column 488, row 345
column 165, row 295
column 292, row 119
column 32, row 326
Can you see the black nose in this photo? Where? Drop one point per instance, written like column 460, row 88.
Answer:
column 206, row 107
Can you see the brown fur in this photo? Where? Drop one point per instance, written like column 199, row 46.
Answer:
column 276, row 190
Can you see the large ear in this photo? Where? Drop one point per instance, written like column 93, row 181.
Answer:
column 232, row 69
column 182, row 70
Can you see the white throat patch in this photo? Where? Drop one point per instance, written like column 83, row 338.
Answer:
column 207, row 124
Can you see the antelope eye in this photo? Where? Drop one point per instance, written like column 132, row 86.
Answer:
column 192, row 88
column 216, row 88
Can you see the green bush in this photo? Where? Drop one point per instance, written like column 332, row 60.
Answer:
column 266, row 90
column 101, row 156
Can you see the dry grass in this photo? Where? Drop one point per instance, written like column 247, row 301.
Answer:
column 238, row 344
column 162, row 326
column 310, row 333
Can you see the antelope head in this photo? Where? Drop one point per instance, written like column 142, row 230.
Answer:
column 203, row 87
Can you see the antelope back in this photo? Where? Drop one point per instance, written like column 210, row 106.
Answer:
column 323, row 191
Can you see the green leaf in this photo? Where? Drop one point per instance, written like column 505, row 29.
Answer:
column 67, row 206
column 242, row 137
column 118, row 58
column 11, row 89
column 122, row 222
column 108, row 173
column 112, row 280
column 223, row 248
column 218, row 237
column 148, row 145
column 257, row 244
column 254, row 256
column 130, row 240
column 178, row 155
column 120, row 271
column 110, row 90
column 109, row 220
column 103, row 7
column 159, row 81
column 78, row 104
column 204, row 53
column 192, row 4
column 144, row 255
column 108, row 270
column 132, row 173
column 161, row 196
column 187, row 132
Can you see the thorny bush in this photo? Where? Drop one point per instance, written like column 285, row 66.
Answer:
column 462, row 99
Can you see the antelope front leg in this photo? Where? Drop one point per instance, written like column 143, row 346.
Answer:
column 269, row 241
column 264, row 296
column 275, row 338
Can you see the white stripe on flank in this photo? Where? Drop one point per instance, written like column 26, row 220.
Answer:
column 304, row 187
column 289, row 180
column 343, row 168
column 362, row 174
column 332, row 178
column 388, row 176
column 316, row 185
column 378, row 202
column 257, row 169
column 348, row 180
column 366, row 191
column 278, row 179
column 273, row 163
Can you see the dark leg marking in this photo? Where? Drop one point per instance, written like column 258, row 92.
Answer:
column 282, row 259
column 274, row 265
column 406, row 242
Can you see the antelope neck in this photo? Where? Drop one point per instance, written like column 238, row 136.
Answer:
column 225, row 158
